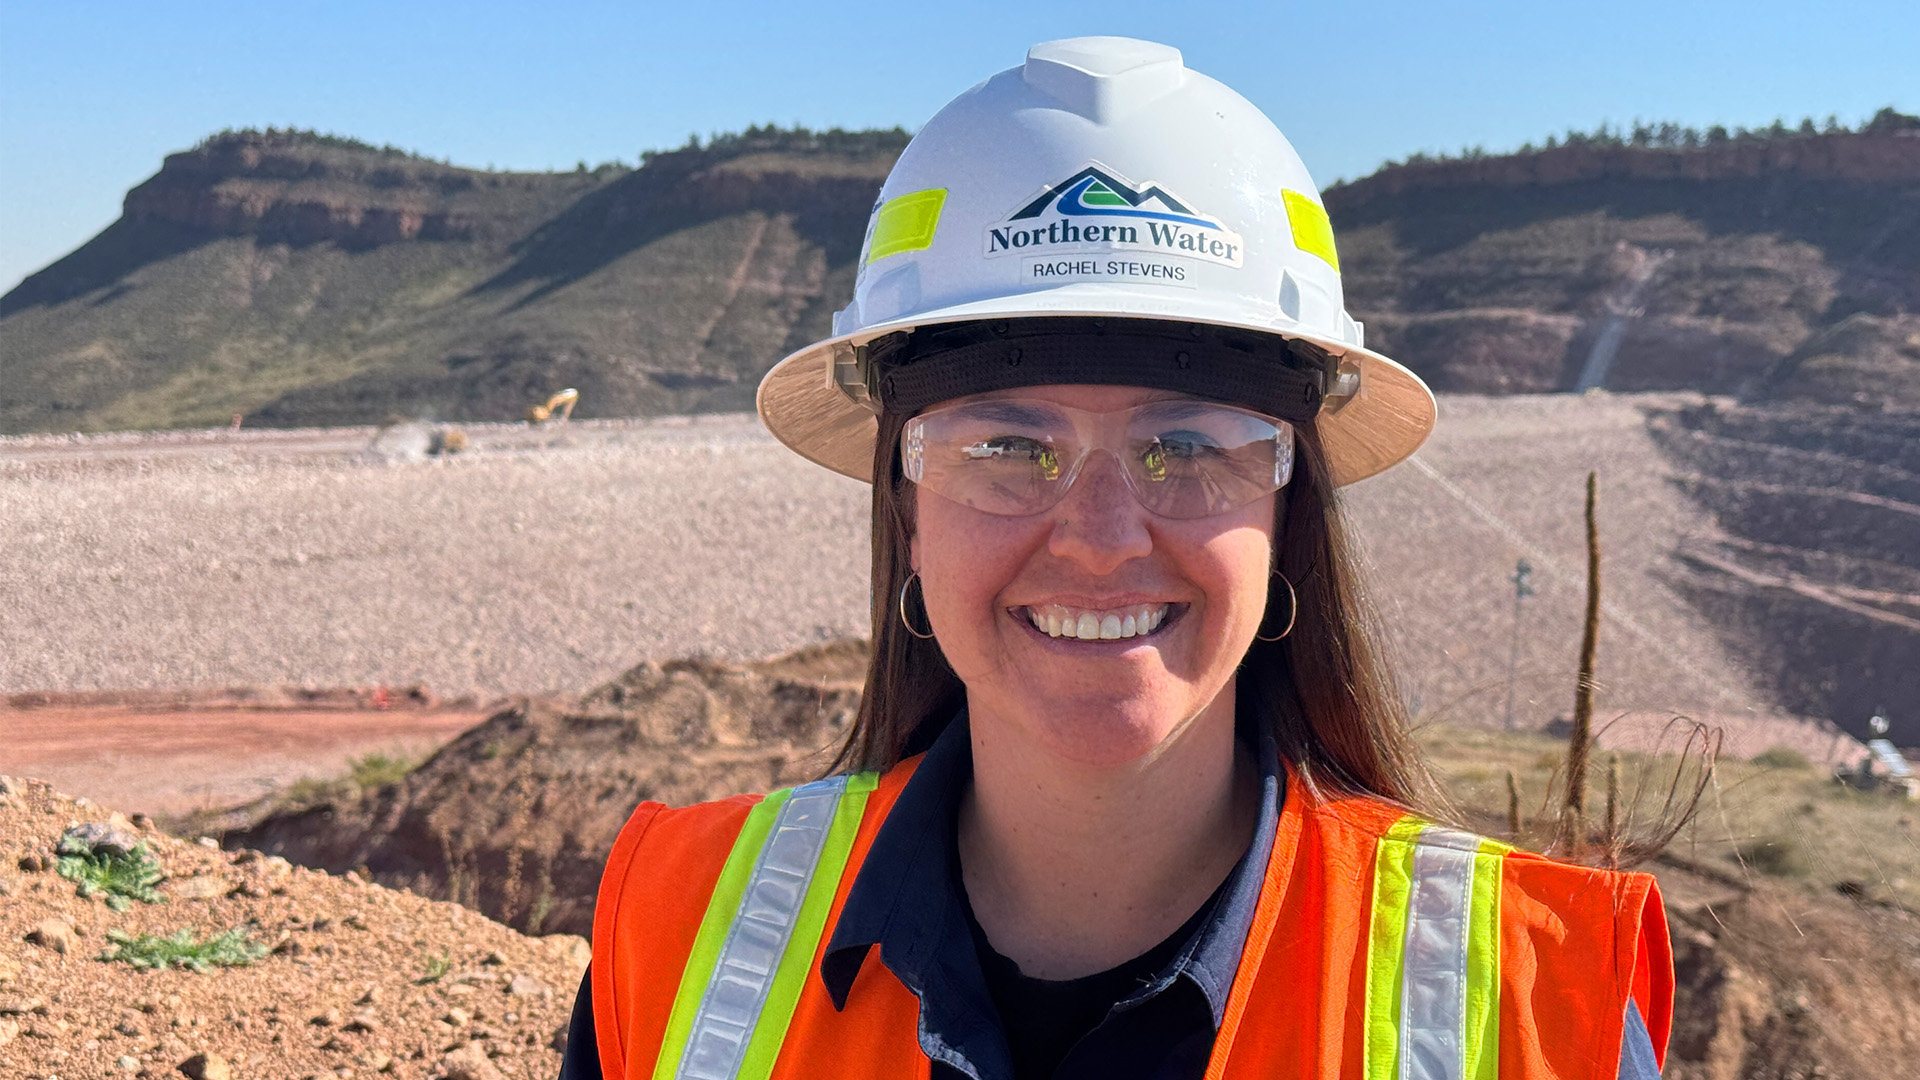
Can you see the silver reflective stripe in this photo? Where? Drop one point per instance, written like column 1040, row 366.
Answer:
column 743, row 974
column 1433, row 975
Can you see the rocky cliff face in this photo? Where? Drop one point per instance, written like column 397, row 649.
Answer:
column 280, row 189
column 288, row 190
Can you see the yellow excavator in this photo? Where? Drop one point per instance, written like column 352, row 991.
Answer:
column 561, row 402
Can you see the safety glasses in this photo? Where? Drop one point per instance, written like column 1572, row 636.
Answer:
column 1181, row 458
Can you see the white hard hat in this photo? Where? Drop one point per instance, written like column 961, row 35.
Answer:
column 1101, row 179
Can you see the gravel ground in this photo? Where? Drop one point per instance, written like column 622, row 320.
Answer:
column 551, row 559
column 517, row 567
column 1504, row 478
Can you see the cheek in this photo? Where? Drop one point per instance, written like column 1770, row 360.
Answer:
column 965, row 560
column 1234, row 570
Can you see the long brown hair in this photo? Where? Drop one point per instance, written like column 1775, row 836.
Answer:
column 1324, row 690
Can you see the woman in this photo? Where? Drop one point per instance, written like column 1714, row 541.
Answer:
column 1129, row 794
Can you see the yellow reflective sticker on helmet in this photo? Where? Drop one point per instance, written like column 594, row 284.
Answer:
column 906, row 223
column 1312, row 232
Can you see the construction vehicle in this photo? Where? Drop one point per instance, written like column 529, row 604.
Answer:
column 450, row 440
column 562, row 401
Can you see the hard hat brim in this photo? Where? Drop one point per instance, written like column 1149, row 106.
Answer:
column 1380, row 426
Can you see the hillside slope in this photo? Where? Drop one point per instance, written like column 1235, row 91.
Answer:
column 1769, row 268
column 304, row 283
column 311, row 281
column 1814, row 574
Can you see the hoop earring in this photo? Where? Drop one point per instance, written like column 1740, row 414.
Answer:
column 1293, row 611
column 906, row 622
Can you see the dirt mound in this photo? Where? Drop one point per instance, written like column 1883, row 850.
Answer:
column 1775, row 984
column 348, row 979
column 516, row 816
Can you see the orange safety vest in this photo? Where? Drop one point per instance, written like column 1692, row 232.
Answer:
column 1382, row 948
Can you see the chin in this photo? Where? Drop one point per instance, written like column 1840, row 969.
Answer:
column 1105, row 729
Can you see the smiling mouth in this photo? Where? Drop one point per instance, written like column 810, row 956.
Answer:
column 1105, row 624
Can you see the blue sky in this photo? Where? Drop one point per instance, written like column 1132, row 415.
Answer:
column 93, row 95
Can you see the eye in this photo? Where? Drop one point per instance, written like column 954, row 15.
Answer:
column 1174, row 452
column 1017, row 449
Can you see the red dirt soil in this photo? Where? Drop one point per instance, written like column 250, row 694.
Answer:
column 170, row 756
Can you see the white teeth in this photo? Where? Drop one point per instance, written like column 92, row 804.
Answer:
column 1111, row 625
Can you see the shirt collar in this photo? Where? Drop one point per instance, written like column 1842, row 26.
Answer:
column 905, row 897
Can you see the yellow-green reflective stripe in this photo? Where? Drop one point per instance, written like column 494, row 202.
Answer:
column 797, row 961
column 906, row 223
column 1433, row 963
column 1312, row 232
column 1483, row 965
column 1386, row 948
column 757, row 940
column 713, row 932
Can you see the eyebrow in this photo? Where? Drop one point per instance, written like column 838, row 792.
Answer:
column 1011, row 412
column 1180, row 408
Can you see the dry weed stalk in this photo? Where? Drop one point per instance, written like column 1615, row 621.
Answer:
column 1513, row 806
column 1573, row 815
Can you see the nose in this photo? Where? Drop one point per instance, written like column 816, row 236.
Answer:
column 1099, row 525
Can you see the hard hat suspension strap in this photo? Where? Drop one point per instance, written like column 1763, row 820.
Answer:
column 1284, row 378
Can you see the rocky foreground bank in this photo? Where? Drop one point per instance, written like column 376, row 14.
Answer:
column 334, row 978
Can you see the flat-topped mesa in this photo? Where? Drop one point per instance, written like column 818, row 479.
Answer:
column 1891, row 156
column 299, row 190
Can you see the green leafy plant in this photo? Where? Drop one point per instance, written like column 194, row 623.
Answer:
column 378, row 770
column 437, row 968
column 234, row 948
column 311, row 791
column 367, row 773
column 122, row 877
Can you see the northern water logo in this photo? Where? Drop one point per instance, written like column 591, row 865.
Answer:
column 1095, row 210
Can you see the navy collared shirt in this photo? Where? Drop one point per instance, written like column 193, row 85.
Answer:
column 908, row 901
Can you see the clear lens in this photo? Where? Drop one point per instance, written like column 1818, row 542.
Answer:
column 1192, row 459
column 1182, row 458
column 1000, row 457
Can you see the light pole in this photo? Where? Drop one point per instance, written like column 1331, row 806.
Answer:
column 1522, row 571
